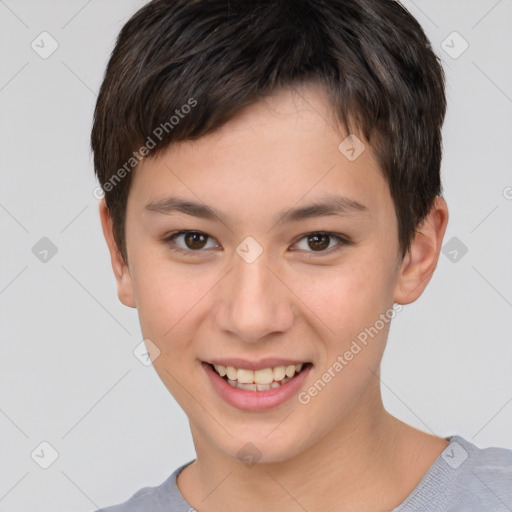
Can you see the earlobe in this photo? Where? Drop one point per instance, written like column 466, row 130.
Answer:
column 119, row 266
column 420, row 262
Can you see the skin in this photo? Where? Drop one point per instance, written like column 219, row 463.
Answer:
column 342, row 450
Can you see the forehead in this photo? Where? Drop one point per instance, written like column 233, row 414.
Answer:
column 284, row 150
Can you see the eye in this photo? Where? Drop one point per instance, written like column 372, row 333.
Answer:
column 319, row 241
column 194, row 241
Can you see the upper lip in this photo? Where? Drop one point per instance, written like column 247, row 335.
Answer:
column 269, row 362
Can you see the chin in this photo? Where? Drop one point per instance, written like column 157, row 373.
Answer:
column 259, row 448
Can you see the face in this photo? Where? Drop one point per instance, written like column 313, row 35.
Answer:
column 255, row 278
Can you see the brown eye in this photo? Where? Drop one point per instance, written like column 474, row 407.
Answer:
column 195, row 240
column 318, row 241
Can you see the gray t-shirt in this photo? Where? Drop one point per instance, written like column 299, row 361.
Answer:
column 464, row 478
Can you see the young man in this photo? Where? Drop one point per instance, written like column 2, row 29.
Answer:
column 272, row 199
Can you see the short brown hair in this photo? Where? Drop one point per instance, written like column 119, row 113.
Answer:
column 219, row 56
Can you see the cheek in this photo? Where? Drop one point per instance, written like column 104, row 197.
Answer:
column 347, row 298
column 168, row 302
column 165, row 295
column 350, row 305
column 350, row 301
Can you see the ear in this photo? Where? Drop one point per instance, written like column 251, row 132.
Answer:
column 421, row 260
column 120, row 268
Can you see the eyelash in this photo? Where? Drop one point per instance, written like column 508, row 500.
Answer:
column 343, row 241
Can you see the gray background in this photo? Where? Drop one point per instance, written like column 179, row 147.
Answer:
column 68, row 373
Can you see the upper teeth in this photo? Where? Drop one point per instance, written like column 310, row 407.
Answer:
column 265, row 376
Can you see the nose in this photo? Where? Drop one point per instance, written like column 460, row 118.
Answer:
column 254, row 302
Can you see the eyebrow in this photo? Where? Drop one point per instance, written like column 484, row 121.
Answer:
column 325, row 206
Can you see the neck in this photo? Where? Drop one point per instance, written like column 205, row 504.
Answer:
column 363, row 464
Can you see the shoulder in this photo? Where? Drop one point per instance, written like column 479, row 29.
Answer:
column 143, row 499
column 464, row 477
column 153, row 498
column 481, row 477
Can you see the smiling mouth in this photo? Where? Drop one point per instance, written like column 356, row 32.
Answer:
column 259, row 380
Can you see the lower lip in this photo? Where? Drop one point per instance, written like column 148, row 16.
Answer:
column 255, row 400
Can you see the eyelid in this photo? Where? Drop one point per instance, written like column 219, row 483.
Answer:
column 342, row 241
column 169, row 240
